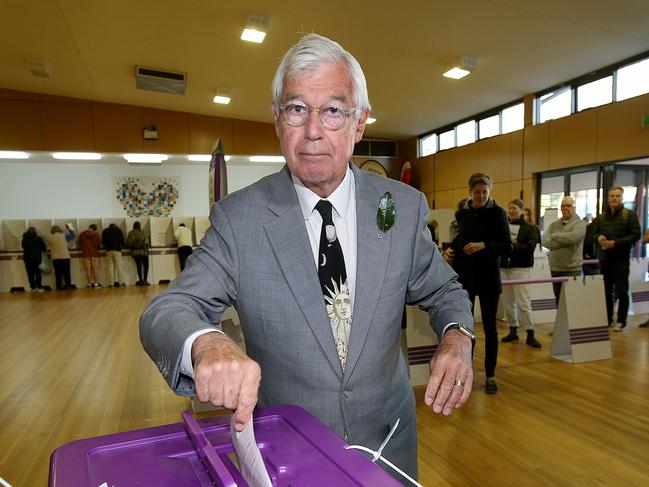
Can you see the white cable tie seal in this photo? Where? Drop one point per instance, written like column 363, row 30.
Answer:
column 376, row 455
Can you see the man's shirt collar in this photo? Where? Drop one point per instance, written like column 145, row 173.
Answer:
column 339, row 199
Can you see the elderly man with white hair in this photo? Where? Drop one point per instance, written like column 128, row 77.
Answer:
column 565, row 239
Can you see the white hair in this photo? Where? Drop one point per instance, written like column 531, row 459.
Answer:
column 310, row 53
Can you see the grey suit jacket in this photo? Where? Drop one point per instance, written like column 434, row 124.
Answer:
column 256, row 257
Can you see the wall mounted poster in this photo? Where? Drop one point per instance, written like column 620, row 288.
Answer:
column 139, row 196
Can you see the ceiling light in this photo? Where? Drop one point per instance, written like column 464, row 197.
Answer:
column 226, row 158
column 200, row 157
column 462, row 68
column 456, row 73
column 256, row 28
column 222, row 96
column 77, row 156
column 145, row 158
column 12, row 154
column 267, row 159
column 370, row 120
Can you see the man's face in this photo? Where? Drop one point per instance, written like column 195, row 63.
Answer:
column 480, row 195
column 315, row 155
column 514, row 211
column 615, row 199
column 567, row 209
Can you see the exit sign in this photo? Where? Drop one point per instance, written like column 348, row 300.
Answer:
column 645, row 120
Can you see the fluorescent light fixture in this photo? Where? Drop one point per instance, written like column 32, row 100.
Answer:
column 145, row 158
column 77, row 156
column 226, row 158
column 370, row 120
column 253, row 35
column 267, row 159
column 456, row 73
column 222, row 100
column 222, row 96
column 200, row 157
column 255, row 28
column 12, row 154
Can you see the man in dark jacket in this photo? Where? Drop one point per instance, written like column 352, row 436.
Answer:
column 616, row 231
column 113, row 241
column 33, row 248
column 517, row 265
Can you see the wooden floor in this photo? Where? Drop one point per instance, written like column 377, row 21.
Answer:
column 71, row 366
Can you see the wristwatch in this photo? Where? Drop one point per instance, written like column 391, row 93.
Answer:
column 462, row 329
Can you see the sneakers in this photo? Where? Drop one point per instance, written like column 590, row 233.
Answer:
column 531, row 340
column 512, row 337
column 490, row 386
column 96, row 285
column 38, row 290
column 620, row 327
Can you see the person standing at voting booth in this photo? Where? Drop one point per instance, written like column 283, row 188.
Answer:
column 90, row 244
column 565, row 239
column 616, row 231
column 318, row 260
column 33, row 248
column 58, row 244
column 113, row 240
column 483, row 238
column 138, row 242
column 185, row 242
column 518, row 265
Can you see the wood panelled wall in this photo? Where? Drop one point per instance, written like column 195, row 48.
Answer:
column 32, row 121
column 608, row 133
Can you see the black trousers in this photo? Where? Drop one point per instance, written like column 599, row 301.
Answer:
column 62, row 273
column 183, row 252
column 142, row 266
column 33, row 273
column 488, row 309
column 616, row 287
column 556, row 286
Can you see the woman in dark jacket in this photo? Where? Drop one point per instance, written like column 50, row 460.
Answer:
column 33, row 248
column 482, row 239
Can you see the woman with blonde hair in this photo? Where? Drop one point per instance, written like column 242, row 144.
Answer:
column 58, row 245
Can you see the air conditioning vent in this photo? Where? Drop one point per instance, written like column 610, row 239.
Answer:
column 160, row 80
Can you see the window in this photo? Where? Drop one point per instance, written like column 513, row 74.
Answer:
column 632, row 80
column 490, row 126
column 465, row 133
column 513, row 118
column 447, row 139
column 595, row 93
column 551, row 195
column 427, row 145
column 555, row 104
column 583, row 188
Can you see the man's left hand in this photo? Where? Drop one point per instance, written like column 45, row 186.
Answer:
column 607, row 244
column 473, row 247
column 450, row 367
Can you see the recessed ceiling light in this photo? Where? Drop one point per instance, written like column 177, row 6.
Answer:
column 456, row 73
column 222, row 96
column 77, row 156
column 267, row 159
column 256, row 28
column 370, row 120
column 200, row 157
column 12, row 154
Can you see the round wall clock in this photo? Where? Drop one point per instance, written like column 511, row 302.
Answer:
column 374, row 167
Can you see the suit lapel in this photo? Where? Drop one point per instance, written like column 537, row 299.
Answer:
column 290, row 242
column 373, row 248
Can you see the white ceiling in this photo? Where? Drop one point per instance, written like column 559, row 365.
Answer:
column 524, row 46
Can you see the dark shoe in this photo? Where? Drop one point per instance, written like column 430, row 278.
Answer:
column 116, row 284
column 644, row 325
column 490, row 386
column 531, row 340
column 620, row 327
column 139, row 283
column 146, row 283
column 512, row 337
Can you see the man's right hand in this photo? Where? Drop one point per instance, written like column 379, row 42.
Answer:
column 225, row 376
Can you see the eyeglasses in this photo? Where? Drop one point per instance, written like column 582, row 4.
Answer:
column 332, row 117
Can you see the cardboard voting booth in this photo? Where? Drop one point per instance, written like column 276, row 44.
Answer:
column 297, row 450
column 581, row 330
column 422, row 344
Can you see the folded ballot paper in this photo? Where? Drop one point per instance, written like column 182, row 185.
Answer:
column 251, row 465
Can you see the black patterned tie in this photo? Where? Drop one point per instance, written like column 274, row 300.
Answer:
column 333, row 280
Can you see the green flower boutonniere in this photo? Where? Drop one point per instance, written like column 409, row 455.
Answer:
column 386, row 213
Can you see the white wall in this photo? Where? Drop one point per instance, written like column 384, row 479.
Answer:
column 47, row 189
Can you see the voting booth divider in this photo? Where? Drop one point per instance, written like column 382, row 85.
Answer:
column 163, row 259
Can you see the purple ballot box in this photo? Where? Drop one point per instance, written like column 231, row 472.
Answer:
column 297, row 449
